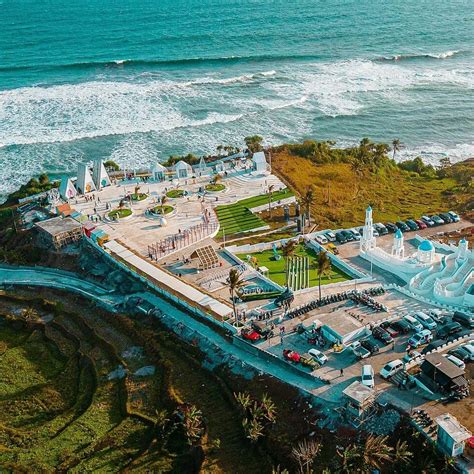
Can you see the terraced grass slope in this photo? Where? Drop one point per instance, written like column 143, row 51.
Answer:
column 237, row 218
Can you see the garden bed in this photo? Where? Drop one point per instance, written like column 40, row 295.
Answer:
column 175, row 193
column 214, row 188
column 139, row 196
column 119, row 213
column 162, row 210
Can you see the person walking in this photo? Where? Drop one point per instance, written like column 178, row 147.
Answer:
column 341, row 372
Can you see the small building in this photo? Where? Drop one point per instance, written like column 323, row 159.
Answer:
column 358, row 400
column 58, row 232
column 341, row 329
column 451, row 435
column 158, row 172
column 259, row 163
column 445, row 375
column 426, row 252
column 66, row 189
column 85, row 183
column 183, row 169
column 219, row 167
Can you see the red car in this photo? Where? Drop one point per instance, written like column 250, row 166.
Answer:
column 290, row 355
column 250, row 335
column 421, row 224
column 391, row 330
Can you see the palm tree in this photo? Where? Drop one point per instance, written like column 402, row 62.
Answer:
column 219, row 149
column 163, row 201
column 323, row 266
column 253, row 428
column 193, row 424
column 376, row 452
column 349, row 457
column 270, row 194
column 269, row 408
column 304, row 453
column 401, row 453
column 396, row 146
column 216, row 179
column 288, row 249
column 30, row 314
column 243, row 399
column 234, row 282
column 307, row 201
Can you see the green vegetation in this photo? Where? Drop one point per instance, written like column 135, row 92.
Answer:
column 215, row 187
column 111, row 165
column 175, row 193
column 345, row 181
column 277, row 271
column 120, row 213
column 254, row 143
column 237, row 217
column 162, row 210
column 139, row 196
column 189, row 158
column 32, row 187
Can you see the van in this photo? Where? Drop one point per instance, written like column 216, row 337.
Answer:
column 391, row 368
column 414, row 323
column 367, row 376
column 425, row 320
column 420, row 338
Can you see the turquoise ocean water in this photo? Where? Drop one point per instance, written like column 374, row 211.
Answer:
column 138, row 80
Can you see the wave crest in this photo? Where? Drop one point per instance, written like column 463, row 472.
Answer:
column 414, row 56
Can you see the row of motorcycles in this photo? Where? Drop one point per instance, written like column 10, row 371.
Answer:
column 367, row 300
column 424, row 419
column 318, row 303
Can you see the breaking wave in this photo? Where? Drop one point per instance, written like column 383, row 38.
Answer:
column 414, row 56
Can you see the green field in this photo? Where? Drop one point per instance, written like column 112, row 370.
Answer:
column 276, row 268
column 237, row 217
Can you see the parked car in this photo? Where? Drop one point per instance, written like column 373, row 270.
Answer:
column 446, row 218
column 460, row 353
column 425, row 320
column 318, row 356
column 428, row 221
column 308, row 361
column 332, row 248
column 464, row 319
column 262, row 328
column 414, row 323
column 250, row 335
column 449, row 330
column 410, row 356
column 382, row 335
column 421, row 224
column 391, row 227
column 402, row 226
column 381, row 229
column 432, row 346
column 355, row 233
column 341, row 237
column 359, row 350
column 370, row 345
column 455, row 361
column 420, row 338
column 348, row 234
column 454, row 216
column 321, row 239
column 330, row 235
column 469, row 347
column 387, row 326
column 367, row 376
column 437, row 220
column 375, row 232
column 438, row 315
column 401, row 326
column 391, row 368
column 411, row 224
column 290, row 355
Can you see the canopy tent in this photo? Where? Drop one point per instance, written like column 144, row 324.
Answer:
column 183, row 170
column 159, row 172
column 207, row 257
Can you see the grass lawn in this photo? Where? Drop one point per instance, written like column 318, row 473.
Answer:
column 214, row 187
column 163, row 210
column 120, row 213
column 276, row 268
column 139, row 196
column 237, row 217
column 175, row 193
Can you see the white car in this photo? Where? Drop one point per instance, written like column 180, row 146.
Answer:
column 454, row 216
column 320, row 239
column 318, row 356
column 355, row 232
column 391, row 368
column 469, row 347
column 367, row 376
column 455, row 361
column 376, row 232
column 414, row 323
column 425, row 320
column 330, row 235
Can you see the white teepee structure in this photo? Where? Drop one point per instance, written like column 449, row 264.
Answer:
column 84, row 183
column 100, row 175
column 66, row 189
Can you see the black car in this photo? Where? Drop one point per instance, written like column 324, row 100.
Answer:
column 381, row 229
column 433, row 345
column 448, row 330
column 382, row 335
column 461, row 354
column 341, row 237
column 464, row 319
column 412, row 224
column 401, row 326
column 349, row 235
column 402, row 226
column 370, row 345
column 391, row 227
column 446, row 217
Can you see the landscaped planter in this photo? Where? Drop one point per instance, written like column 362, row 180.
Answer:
column 139, row 196
column 214, row 188
column 155, row 213
column 121, row 214
column 176, row 193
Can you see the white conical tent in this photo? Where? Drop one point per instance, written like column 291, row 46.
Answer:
column 202, row 164
column 84, row 183
column 100, row 175
column 66, row 189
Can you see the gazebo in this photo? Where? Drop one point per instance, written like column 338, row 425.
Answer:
column 158, row 172
column 183, row 170
column 219, row 166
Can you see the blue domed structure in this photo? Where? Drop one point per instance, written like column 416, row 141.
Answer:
column 426, row 246
column 398, row 234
